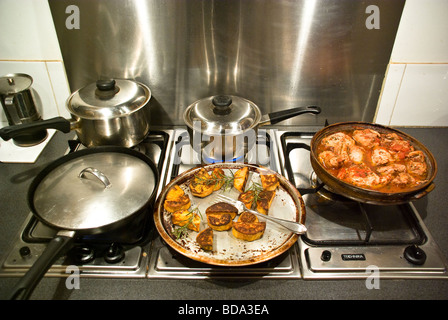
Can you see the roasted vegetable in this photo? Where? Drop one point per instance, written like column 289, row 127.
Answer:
column 201, row 185
column 222, row 208
column 240, row 179
column 205, row 239
column 176, row 200
column 248, row 231
column 264, row 201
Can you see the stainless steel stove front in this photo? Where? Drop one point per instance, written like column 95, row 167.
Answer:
column 348, row 240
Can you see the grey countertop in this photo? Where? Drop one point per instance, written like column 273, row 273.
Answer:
column 15, row 179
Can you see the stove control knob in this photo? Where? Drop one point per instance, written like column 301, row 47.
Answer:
column 114, row 254
column 415, row 255
column 325, row 256
column 83, row 254
column 25, row 252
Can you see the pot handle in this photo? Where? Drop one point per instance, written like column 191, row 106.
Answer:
column 58, row 123
column 276, row 117
column 56, row 247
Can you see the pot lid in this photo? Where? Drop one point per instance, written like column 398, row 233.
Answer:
column 14, row 83
column 108, row 99
column 93, row 190
column 222, row 114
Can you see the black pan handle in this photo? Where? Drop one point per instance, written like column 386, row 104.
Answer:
column 276, row 117
column 56, row 247
column 58, row 123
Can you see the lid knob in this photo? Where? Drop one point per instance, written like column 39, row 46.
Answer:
column 106, row 89
column 221, row 105
column 105, row 85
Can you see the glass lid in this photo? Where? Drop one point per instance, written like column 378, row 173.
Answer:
column 224, row 114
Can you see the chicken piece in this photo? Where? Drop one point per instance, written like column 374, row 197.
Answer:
column 388, row 138
column 219, row 221
column 356, row 154
column 398, row 147
column 403, row 179
column 367, row 137
column 176, row 200
column 381, row 156
column 222, row 208
column 217, row 177
column 269, row 181
column 329, row 160
column 201, row 185
column 393, row 168
column 186, row 218
column 417, row 156
column 264, row 201
column 240, row 179
column 336, row 141
column 339, row 144
column 205, row 239
column 416, row 168
column 248, row 231
column 416, row 163
column 360, row 175
column 248, row 198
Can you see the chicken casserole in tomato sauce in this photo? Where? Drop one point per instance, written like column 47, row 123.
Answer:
column 366, row 158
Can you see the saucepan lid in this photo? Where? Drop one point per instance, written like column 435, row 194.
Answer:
column 107, row 99
column 222, row 114
column 14, row 83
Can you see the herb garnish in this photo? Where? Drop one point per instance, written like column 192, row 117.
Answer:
column 215, row 178
column 255, row 188
column 181, row 231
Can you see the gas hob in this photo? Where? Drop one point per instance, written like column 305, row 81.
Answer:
column 345, row 239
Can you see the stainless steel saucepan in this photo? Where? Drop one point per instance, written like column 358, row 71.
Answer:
column 224, row 127
column 108, row 112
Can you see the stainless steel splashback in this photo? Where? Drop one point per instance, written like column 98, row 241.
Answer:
column 277, row 53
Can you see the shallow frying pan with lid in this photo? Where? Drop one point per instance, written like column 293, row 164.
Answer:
column 90, row 191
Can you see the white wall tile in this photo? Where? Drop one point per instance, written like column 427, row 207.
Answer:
column 421, row 46
column 60, row 86
column 423, row 96
column 42, row 88
column 27, row 31
column 423, row 32
column 388, row 98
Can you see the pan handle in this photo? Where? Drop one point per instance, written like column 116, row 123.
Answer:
column 56, row 247
column 58, row 123
column 276, row 117
column 424, row 192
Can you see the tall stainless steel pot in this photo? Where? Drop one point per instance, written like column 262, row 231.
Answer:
column 224, row 127
column 108, row 112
